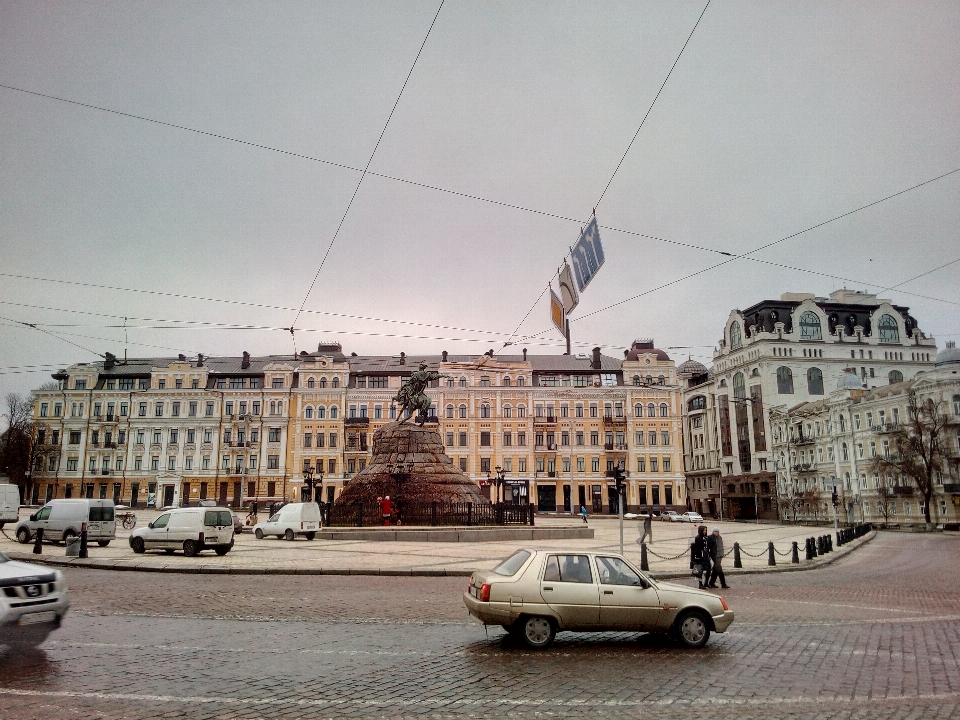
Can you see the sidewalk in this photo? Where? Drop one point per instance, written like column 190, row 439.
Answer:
column 668, row 555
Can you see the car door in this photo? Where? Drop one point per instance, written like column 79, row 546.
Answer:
column 156, row 536
column 42, row 520
column 569, row 587
column 627, row 601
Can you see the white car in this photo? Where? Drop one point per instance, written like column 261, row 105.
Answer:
column 691, row 517
column 671, row 516
column 33, row 601
column 291, row 520
column 189, row 529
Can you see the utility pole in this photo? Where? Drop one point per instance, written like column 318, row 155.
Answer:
column 618, row 477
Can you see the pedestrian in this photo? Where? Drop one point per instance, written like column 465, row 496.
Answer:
column 647, row 527
column 715, row 551
column 700, row 558
column 386, row 510
column 583, row 513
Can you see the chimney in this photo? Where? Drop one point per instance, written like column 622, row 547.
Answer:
column 403, row 358
column 595, row 363
column 443, row 356
column 181, row 357
column 200, row 360
column 109, row 360
column 246, row 360
column 524, row 354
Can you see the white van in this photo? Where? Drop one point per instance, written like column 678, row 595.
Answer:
column 9, row 503
column 189, row 529
column 63, row 519
column 291, row 520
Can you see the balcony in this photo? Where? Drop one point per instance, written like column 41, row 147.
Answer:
column 801, row 439
column 953, row 488
column 104, row 472
column 356, row 448
column 887, row 427
column 544, row 420
column 111, row 445
column 109, row 417
column 357, row 421
column 804, row 467
column 614, row 420
column 549, row 447
column 903, row 490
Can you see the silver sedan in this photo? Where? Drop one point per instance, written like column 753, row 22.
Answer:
column 534, row 594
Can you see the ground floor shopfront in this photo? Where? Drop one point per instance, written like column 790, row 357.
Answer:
column 601, row 497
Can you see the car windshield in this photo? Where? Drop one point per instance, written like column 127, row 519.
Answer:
column 512, row 564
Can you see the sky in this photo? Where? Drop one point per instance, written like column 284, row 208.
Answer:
column 774, row 118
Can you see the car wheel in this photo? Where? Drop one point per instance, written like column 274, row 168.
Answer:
column 137, row 545
column 538, row 632
column 190, row 548
column 692, row 629
column 103, row 543
column 222, row 549
column 310, row 535
column 23, row 536
column 288, row 535
column 259, row 533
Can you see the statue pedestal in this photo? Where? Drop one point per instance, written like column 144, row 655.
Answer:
column 428, row 474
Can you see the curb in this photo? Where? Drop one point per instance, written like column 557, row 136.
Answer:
column 821, row 561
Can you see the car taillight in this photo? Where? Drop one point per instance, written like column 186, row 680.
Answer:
column 724, row 603
column 200, row 539
column 484, row 595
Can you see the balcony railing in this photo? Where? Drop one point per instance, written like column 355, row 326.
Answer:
column 953, row 488
column 544, row 420
column 614, row 420
column 903, row 490
column 356, row 421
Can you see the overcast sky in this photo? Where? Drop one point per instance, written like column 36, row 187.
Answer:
column 777, row 117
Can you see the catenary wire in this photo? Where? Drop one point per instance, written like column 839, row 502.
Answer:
column 917, row 277
column 47, row 332
column 366, row 167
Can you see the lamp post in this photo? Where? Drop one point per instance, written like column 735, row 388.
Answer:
column 500, row 480
column 306, row 492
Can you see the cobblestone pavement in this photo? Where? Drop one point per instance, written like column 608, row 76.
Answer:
column 875, row 635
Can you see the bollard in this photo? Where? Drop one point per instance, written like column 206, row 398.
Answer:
column 37, row 544
column 814, row 546
column 840, row 537
column 83, row 540
column 808, row 549
column 737, row 563
column 795, row 556
column 644, row 565
column 829, row 541
column 771, row 554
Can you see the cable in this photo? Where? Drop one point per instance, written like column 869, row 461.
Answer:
column 915, row 277
column 47, row 332
column 366, row 167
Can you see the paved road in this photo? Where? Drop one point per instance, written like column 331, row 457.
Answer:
column 876, row 635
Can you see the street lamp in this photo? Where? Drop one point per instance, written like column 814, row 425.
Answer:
column 306, row 492
column 500, row 480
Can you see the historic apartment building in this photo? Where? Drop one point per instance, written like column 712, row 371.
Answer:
column 775, row 355
column 544, row 429
column 832, row 443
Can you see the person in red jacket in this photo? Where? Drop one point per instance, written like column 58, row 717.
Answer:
column 386, row 509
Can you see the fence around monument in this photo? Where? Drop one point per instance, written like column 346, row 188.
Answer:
column 431, row 514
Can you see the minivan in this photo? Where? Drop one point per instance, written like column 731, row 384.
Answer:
column 291, row 520
column 189, row 529
column 64, row 519
column 9, row 503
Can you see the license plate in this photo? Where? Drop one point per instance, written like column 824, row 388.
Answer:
column 40, row 617
column 473, row 591
column 310, row 526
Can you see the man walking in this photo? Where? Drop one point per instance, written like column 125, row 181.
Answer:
column 715, row 550
column 583, row 513
column 647, row 529
column 701, row 557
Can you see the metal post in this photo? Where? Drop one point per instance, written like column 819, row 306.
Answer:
column 737, row 562
column 771, row 554
column 83, row 540
column 469, row 514
column 644, row 565
column 38, row 543
column 795, row 556
column 621, row 498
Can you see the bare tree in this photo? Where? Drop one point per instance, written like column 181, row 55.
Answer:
column 17, row 449
column 917, row 448
column 885, row 500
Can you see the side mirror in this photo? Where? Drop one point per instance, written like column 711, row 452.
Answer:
column 33, row 518
column 150, row 525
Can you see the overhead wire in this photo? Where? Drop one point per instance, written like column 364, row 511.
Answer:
column 366, row 167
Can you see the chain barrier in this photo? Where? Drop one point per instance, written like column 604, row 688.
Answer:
column 675, row 557
column 749, row 554
column 783, row 554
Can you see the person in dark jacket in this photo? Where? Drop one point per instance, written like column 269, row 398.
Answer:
column 715, row 551
column 647, row 528
column 701, row 556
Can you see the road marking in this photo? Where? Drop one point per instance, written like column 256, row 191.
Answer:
column 879, row 621
column 515, row 702
column 838, row 605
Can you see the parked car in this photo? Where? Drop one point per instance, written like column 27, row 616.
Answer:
column 189, row 529
column 291, row 520
column 9, row 503
column 671, row 516
column 691, row 517
column 533, row 594
column 32, row 604
column 63, row 519
column 237, row 522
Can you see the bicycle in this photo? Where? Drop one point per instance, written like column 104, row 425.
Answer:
column 128, row 520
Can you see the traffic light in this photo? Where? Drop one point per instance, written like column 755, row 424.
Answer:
column 619, row 479
column 836, row 500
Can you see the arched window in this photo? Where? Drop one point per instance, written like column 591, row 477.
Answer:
column 463, row 382
column 506, row 382
column 323, row 382
column 697, row 403
column 334, row 411
column 895, row 376
column 814, row 381
column 308, row 413
column 784, row 380
column 739, row 386
column 521, row 411
column 484, row 410
column 310, row 382
column 649, row 379
column 451, row 382
column 507, row 411
column 336, row 382
column 449, row 411
column 638, row 410
column 521, row 381
column 664, row 410
column 636, row 379
column 888, row 329
column 810, row 326
column 321, row 412
column 273, row 407
column 660, row 379
column 651, row 410
column 279, row 408
column 463, row 411
column 736, row 337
